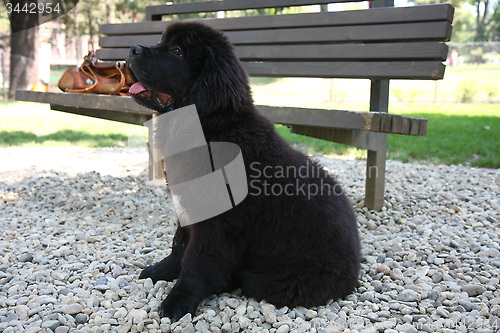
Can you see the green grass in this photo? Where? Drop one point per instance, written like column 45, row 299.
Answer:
column 33, row 124
column 467, row 134
column 457, row 134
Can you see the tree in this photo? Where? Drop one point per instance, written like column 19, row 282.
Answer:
column 486, row 13
column 23, row 50
column 496, row 27
column 464, row 25
column 24, row 19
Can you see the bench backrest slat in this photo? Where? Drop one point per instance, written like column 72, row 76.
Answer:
column 354, row 33
column 156, row 12
column 366, row 51
column 421, row 70
column 388, row 51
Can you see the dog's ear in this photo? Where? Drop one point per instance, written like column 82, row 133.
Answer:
column 222, row 83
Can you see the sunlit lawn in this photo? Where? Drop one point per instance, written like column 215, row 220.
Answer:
column 33, row 124
column 458, row 133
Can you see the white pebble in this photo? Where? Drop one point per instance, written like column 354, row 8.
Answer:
column 232, row 302
column 72, row 309
column 283, row 329
column 310, row 314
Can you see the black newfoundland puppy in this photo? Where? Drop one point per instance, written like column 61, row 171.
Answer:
column 293, row 240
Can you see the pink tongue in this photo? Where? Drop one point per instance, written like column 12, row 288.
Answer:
column 136, row 88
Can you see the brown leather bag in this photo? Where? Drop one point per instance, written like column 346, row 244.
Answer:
column 96, row 78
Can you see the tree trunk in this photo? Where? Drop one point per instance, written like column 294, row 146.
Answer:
column 110, row 11
column 78, row 48
column 91, row 29
column 478, row 20
column 23, row 52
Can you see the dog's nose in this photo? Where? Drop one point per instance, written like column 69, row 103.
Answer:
column 136, row 50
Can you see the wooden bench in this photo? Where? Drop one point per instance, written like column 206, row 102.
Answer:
column 379, row 44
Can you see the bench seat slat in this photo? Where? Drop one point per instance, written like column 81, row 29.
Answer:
column 320, row 117
column 89, row 101
column 133, row 118
column 348, row 120
column 360, row 33
column 380, row 70
column 123, row 108
column 425, row 13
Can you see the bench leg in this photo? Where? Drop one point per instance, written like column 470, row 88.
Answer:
column 375, row 176
column 155, row 165
column 375, row 162
column 155, row 169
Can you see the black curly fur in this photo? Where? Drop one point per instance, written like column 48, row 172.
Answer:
column 292, row 250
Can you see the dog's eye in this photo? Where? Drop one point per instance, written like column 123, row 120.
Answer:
column 177, row 51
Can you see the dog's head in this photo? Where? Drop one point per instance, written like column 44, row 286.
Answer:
column 193, row 64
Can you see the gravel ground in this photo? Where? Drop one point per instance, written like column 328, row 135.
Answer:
column 78, row 225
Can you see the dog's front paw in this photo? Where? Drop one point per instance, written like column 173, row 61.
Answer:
column 150, row 272
column 158, row 272
column 176, row 309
